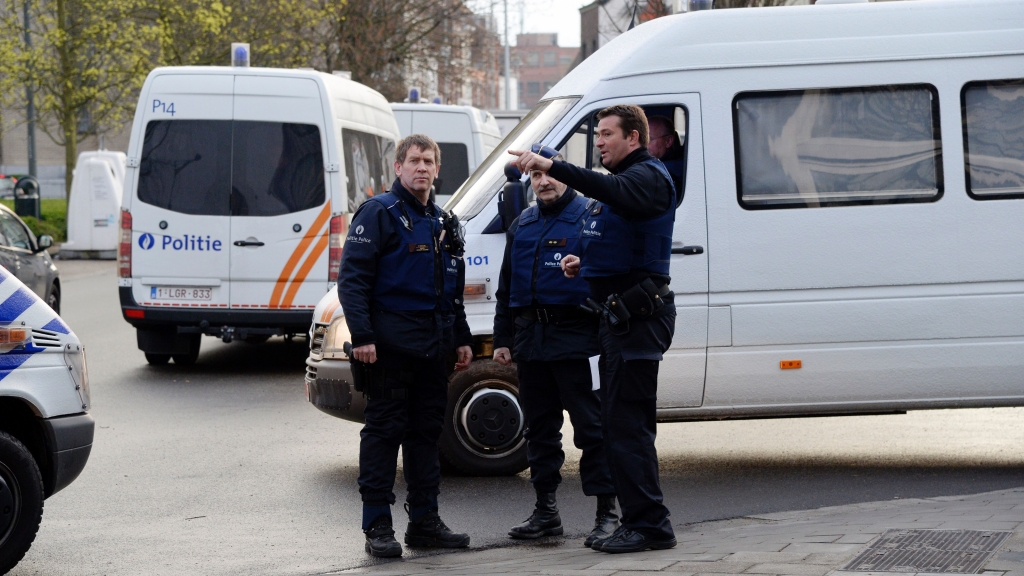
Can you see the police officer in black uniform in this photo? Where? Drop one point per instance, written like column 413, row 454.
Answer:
column 538, row 323
column 401, row 283
column 626, row 246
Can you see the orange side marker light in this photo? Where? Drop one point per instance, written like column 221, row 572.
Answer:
column 791, row 364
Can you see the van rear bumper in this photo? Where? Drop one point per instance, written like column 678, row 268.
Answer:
column 288, row 321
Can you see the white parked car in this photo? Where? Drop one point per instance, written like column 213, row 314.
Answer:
column 46, row 431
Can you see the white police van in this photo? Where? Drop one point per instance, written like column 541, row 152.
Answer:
column 849, row 241
column 237, row 197
column 465, row 135
column 46, row 431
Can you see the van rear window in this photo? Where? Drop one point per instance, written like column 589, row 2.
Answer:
column 454, row 168
column 993, row 119
column 812, row 148
column 186, row 166
column 239, row 168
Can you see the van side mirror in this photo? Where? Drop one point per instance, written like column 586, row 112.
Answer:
column 44, row 242
column 512, row 198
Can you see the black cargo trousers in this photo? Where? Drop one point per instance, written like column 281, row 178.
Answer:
column 413, row 423
column 629, row 394
column 546, row 388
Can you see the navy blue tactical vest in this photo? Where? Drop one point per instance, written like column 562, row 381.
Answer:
column 613, row 245
column 419, row 274
column 537, row 251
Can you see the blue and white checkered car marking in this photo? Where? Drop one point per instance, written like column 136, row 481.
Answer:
column 18, row 304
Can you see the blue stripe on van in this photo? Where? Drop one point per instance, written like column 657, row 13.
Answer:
column 10, row 361
column 16, row 304
column 56, row 325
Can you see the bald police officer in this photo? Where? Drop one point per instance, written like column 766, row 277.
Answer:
column 401, row 284
column 626, row 246
column 538, row 323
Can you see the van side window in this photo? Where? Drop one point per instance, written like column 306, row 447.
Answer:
column 363, row 166
column 454, row 168
column 388, row 162
column 813, row 148
column 277, row 168
column 186, row 166
column 993, row 118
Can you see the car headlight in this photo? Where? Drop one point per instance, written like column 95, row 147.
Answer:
column 74, row 357
column 334, row 340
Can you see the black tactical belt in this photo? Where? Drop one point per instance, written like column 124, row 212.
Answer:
column 550, row 315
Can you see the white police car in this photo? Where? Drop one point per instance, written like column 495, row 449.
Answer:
column 45, row 429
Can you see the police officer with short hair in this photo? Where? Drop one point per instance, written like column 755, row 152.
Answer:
column 400, row 284
column 626, row 246
column 538, row 322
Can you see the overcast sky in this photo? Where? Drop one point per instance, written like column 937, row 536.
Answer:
column 561, row 16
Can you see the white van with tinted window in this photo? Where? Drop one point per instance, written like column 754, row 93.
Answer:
column 849, row 239
column 236, row 200
column 465, row 135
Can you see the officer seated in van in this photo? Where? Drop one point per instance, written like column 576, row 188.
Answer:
column 538, row 322
column 665, row 146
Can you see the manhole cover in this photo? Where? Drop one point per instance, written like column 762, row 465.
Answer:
column 948, row 551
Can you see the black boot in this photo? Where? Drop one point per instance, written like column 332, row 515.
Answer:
column 380, row 539
column 606, row 522
column 543, row 522
column 627, row 540
column 430, row 532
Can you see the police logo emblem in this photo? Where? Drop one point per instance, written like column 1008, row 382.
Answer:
column 593, row 225
column 359, row 229
column 146, row 241
column 558, row 257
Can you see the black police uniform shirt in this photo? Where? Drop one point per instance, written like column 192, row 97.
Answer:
column 636, row 191
column 400, row 284
column 571, row 339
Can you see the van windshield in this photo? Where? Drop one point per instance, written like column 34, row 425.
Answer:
column 475, row 194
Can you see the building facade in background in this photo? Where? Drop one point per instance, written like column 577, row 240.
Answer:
column 539, row 62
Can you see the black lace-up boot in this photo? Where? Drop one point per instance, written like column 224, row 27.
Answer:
column 606, row 521
column 430, row 532
column 543, row 522
column 380, row 539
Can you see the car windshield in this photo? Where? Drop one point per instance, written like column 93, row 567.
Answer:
column 471, row 198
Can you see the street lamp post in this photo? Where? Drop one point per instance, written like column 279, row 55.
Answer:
column 30, row 113
column 508, row 56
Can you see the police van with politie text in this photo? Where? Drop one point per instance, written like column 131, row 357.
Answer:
column 237, row 198
column 849, row 237
column 46, row 431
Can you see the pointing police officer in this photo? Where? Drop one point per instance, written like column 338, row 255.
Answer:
column 626, row 245
column 538, row 322
column 401, row 285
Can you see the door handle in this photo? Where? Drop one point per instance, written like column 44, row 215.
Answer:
column 688, row 250
column 248, row 243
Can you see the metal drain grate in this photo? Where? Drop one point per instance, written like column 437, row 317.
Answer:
column 936, row 551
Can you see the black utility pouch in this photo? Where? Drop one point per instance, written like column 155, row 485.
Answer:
column 643, row 299
column 363, row 374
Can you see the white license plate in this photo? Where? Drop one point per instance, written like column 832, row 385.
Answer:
column 180, row 293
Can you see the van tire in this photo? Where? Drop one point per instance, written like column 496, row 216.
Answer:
column 24, row 489
column 157, row 359
column 53, row 298
column 463, row 455
column 189, row 358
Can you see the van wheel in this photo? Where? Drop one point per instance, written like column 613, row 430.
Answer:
column 157, row 359
column 483, row 427
column 21, row 501
column 188, row 359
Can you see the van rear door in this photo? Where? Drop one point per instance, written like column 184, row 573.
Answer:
column 279, row 204
column 180, row 213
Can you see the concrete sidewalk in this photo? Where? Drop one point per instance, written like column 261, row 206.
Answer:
column 803, row 543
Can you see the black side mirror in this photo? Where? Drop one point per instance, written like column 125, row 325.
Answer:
column 44, row 242
column 512, row 198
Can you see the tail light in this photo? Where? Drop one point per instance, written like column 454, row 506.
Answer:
column 334, row 244
column 124, row 246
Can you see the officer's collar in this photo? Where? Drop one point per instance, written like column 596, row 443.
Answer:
column 635, row 157
column 410, row 199
column 557, row 206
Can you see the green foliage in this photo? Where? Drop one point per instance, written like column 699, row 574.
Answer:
column 53, row 221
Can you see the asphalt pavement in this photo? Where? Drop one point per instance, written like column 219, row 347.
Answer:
column 223, row 467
